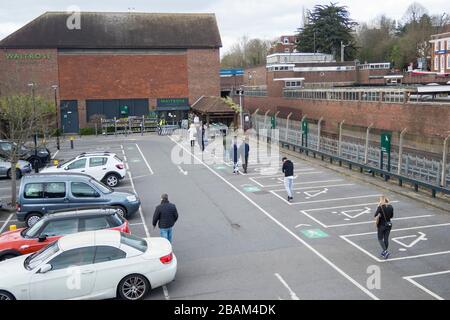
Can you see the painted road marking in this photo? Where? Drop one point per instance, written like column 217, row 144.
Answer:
column 431, row 293
column 315, row 233
column 6, row 222
column 147, row 232
column 417, row 238
column 352, row 214
column 314, row 193
column 54, row 155
column 250, row 188
column 346, row 238
column 300, row 183
column 182, row 171
column 282, row 226
column 284, row 283
column 145, row 160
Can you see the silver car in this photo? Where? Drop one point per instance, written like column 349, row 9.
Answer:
column 5, row 168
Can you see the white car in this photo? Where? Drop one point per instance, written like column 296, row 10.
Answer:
column 103, row 166
column 90, row 265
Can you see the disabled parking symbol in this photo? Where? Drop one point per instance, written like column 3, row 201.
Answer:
column 416, row 239
column 353, row 214
column 314, row 193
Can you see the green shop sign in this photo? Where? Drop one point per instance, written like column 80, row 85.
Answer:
column 28, row 56
column 169, row 104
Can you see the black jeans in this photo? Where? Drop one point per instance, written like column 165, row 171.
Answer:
column 383, row 236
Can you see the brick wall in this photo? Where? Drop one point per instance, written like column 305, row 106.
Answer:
column 123, row 76
column 21, row 69
column 203, row 73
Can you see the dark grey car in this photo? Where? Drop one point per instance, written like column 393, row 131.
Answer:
column 44, row 193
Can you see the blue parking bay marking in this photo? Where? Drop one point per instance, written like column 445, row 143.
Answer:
column 315, row 233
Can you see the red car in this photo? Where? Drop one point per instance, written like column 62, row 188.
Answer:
column 54, row 226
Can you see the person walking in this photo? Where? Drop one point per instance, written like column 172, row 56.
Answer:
column 244, row 151
column 383, row 216
column 235, row 156
column 288, row 170
column 165, row 216
column 192, row 131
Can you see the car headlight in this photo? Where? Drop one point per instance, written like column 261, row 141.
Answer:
column 132, row 198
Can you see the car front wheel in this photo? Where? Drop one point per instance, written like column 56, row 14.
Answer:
column 112, row 180
column 133, row 287
column 6, row 296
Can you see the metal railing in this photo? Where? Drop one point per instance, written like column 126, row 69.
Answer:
column 416, row 169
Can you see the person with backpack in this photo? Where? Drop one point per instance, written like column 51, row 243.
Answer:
column 383, row 216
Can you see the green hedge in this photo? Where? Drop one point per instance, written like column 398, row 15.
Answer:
column 87, row 131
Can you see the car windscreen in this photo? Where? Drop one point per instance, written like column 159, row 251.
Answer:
column 65, row 162
column 134, row 242
column 33, row 231
column 100, row 186
column 37, row 258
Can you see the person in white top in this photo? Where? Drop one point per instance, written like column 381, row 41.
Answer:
column 192, row 132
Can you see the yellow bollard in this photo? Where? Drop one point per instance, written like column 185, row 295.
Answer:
column 12, row 227
column 71, row 142
column 55, row 163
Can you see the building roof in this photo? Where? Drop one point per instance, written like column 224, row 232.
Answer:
column 212, row 105
column 118, row 30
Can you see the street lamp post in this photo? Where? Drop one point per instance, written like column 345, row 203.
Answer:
column 240, row 109
column 55, row 87
column 32, row 86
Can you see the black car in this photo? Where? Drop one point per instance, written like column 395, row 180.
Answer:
column 40, row 158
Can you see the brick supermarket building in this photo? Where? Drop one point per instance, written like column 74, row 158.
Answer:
column 140, row 62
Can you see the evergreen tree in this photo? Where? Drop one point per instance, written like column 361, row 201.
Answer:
column 325, row 28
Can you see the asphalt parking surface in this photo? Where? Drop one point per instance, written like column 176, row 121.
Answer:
column 238, row 237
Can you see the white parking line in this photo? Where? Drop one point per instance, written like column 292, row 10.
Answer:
column 145, row 160
column 431, row 293
column 313, row 187
column 348, row 206
column 6, row 222
column 345, row 237
column 54, row 155
column 147, row 232
column 358, row 223
column 296, row 183
column 282, row 226
column 292, row 293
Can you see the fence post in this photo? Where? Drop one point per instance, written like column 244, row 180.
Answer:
column 265, row 117
column 96, row 130
column 366, row 151
column 115, row 126
column 340, row 138
column 287, row 126
column 255, row 116
column 319, row 127
column 444, row 162
column 301, row 130
column 400, row 152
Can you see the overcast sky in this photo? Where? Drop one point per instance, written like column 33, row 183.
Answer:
column 265, row 19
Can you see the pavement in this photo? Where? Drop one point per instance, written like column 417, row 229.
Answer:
column 239, row 238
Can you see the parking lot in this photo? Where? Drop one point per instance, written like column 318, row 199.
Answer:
column 239, row 238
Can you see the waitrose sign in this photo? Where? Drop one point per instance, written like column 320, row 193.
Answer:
column 27, row 56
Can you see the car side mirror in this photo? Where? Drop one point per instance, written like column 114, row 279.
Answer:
column 45, row 268
column 42, row 238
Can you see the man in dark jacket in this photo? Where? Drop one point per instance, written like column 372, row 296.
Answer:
column 245, row 150
column 166, row 214
column 288, row 170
